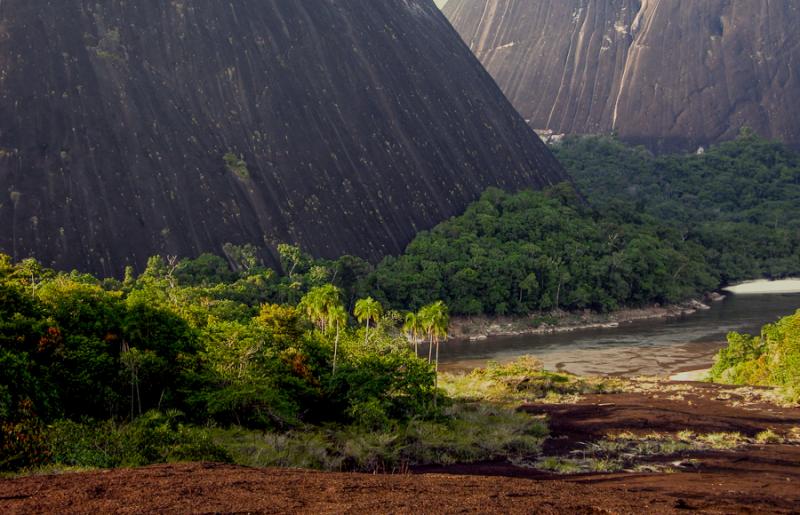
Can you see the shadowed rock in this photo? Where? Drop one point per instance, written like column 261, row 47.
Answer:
column 129, row 128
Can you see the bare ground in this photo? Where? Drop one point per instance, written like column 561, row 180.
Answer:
column 753, row 479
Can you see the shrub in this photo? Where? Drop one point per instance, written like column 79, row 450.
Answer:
column 236, row 165
column 153, row 438
column 23, row 442
column 771, row 359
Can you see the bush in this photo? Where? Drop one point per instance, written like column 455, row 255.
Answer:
column 23, row 442
column 772, row 359
column 153, row 438
column 379, row 386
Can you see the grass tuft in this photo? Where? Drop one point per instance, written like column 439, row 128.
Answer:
column 769, row 437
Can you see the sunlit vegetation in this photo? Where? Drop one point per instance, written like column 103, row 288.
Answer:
column 104, row 353
column 524, row 380
column 652, row 452
column 769, row 359
column 465, row 433
column 175, row 364
column 652, row 229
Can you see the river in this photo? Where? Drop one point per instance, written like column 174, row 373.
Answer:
column 652, row 347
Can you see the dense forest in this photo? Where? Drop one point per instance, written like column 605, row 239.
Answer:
column 769, row 359
column 531, row 252
column 740, row 200
column 171, row 365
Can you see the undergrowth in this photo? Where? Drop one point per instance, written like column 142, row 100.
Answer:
column 467, row 432
column 524, row 380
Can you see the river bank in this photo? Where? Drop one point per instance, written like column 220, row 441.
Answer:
column 478, row 328
column 764, row 286
column 657, row 341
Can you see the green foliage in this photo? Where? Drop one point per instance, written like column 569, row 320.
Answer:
column 532, row 251
column 467, row 432
column 206, row 270
column 771, row 359
column 368, row 310
column 236, row 165
column 178, row 337
column 22, row 440
column 377, row 387
column 522, row 380
column 740, row 200
column 153, row 438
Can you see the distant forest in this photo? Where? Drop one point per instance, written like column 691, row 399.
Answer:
column 740, row 199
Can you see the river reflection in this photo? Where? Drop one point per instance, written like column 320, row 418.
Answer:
column 654, row 347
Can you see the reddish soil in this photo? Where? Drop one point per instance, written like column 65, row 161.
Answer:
column 666, row 408
column 755, row 479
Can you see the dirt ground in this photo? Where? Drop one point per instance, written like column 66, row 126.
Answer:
column 753, row 479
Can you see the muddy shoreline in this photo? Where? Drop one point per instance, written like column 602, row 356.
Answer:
column 478, row 328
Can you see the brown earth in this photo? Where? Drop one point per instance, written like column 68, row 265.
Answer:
column 753, row 479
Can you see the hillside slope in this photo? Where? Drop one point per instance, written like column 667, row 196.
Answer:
column 672, row 74
column 134, row 128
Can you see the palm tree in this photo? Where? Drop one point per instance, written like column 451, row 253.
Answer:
column 367, row 310
column 426, row 321
column 413, row 326
column 310, row 305
column 435, row 320
column 337, row 316
column 323, row 306
column 317, row 304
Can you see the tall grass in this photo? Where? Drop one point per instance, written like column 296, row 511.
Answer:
column 466, row 433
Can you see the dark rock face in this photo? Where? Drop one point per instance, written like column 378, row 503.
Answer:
column 129, row 128
column 666, row 73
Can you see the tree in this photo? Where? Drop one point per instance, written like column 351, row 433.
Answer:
column 337, row 316
column 243, row 258
column 318, row 302
column 412, row 327
column 366, row 311
column 435, row 320
column 291, row 257
column 323, row 306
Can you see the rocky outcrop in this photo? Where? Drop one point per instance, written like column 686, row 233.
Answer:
column 129, row 128
column 672, row 74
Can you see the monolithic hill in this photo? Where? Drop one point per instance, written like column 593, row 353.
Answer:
column 670, row 74
column 134, row 128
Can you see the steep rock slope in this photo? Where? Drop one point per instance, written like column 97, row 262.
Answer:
column 169, row 126
column 667, row 73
